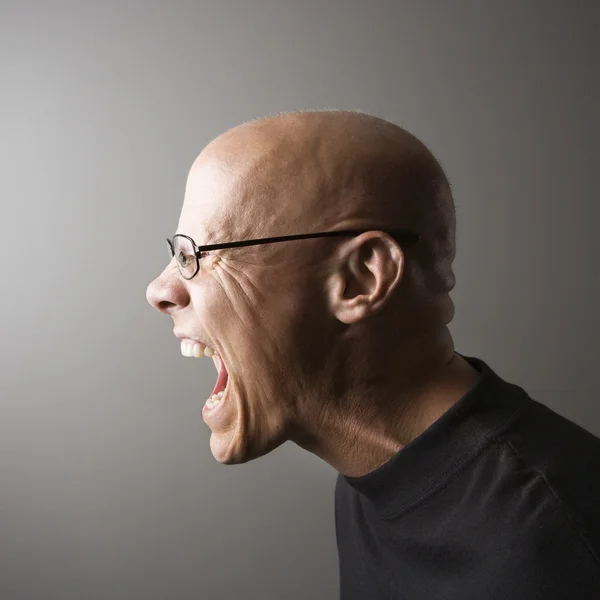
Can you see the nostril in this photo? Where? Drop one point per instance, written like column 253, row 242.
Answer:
column 165, row 306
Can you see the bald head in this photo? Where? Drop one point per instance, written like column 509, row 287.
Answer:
column 302, row 172
column 330, row 167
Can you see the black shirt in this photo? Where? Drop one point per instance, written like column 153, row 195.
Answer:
column 498, row 499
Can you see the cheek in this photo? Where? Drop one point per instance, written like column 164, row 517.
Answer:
column 240, row 327
column 270, row 332
column 293, row 325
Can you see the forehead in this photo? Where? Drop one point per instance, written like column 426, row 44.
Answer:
column 209, row 203
column 246, row 186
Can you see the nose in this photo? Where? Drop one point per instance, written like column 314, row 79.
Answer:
column 167, row 293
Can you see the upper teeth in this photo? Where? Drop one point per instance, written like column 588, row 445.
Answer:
column 194, row 349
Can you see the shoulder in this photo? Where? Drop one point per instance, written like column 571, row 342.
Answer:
column 566, row 459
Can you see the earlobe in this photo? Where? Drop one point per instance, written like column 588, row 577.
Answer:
column 353, row 312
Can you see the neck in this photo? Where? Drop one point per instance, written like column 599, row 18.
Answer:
column 373, row 419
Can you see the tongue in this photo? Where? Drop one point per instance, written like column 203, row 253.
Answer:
column 221, row 380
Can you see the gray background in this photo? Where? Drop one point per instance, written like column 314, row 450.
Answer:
column 108, row 489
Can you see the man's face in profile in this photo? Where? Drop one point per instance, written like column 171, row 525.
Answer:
column 338, row 341
column 257, row 308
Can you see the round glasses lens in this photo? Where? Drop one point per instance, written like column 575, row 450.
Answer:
column 185, row 256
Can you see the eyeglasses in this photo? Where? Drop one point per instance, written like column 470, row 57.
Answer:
column 188, row 253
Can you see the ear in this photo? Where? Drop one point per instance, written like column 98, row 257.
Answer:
column 368, row 270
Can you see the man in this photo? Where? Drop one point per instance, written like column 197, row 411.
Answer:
column 453, row 483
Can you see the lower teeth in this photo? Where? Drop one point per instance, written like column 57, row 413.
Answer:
column 214, row 400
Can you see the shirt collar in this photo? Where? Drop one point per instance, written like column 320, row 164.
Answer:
column 452, row 440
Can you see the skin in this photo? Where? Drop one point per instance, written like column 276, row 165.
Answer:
column 340, row 345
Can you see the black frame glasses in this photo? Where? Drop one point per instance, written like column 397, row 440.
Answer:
column 400, row 235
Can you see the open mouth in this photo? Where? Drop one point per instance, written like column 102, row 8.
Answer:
column 216, row 397
column 195, row 349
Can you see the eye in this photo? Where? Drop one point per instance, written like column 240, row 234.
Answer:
column 185, row 260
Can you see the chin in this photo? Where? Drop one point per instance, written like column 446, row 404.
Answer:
column 224, row 452
column 227, row 452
